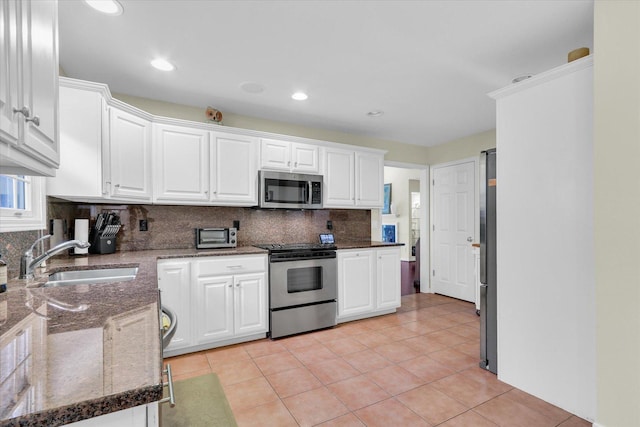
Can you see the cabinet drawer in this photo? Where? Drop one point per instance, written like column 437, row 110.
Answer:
column 230, row 265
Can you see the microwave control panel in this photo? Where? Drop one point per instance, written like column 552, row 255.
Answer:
column 316, row 193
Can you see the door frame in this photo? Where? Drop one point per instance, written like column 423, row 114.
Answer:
column 476, row 208
column 425, row 219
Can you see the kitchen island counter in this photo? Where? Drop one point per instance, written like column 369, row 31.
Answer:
column 75, row 352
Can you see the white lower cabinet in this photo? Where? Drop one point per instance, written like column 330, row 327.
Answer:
column 174, row 281
column 368, row 282
column 138, row 416
column 218, row 300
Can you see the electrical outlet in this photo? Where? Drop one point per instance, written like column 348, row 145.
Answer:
column 236, row 224
column 144, row 225
column 329, row 225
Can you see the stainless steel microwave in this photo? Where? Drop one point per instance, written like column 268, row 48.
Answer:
column 210, row 238
column 290, row 190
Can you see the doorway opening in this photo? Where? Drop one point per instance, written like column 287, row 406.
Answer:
column 404, row 220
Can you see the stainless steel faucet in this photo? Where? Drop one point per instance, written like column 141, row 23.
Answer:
column 28, row 264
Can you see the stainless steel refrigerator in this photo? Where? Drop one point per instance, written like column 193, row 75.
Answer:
column 488, row 265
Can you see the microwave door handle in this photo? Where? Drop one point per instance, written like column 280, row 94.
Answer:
column 309, row 192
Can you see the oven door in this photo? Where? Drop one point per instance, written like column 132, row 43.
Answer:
column 299, row 282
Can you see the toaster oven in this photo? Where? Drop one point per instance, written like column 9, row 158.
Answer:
column 211, row 238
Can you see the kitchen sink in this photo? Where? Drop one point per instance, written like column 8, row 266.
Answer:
column 103, row 275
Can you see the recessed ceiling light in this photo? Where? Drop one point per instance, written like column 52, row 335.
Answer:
column 375, row 113
column 299, row 96
column 252, row 87
column 162, row 64
column 110, row 7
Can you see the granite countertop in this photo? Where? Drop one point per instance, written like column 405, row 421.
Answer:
column 67, row 349
column 365, row 244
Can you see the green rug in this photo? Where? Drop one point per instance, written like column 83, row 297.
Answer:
column 200, row 401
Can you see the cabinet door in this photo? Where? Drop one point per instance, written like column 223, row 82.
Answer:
column 9, row 72
column 174, row 281
column 120, row 333
column 130, row 146
column 339, row 178
column 275, row 154
column 234, row 174
column 181, row 166
column 39, row 40
column 304, row 157
column 213, row 302
column 250, row 304
column 388, row 278
column 369, row 180
column 356, row 282
column 81, row 120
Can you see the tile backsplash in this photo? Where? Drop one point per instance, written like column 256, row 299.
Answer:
column 173, row 227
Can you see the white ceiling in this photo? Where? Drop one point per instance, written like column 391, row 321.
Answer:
column 427, row 64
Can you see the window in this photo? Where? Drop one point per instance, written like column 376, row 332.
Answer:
column 13, row 189
column 22, row 203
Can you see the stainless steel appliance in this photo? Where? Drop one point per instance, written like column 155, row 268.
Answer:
column 488, row 265
column 209, row 238
column 290, row 190
column 303, row 287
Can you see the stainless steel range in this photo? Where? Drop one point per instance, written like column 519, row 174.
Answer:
column 302, row 287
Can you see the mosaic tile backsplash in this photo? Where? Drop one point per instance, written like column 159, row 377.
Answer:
column 173, row 227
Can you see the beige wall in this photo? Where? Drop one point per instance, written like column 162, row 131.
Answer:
column 397, row 151
column 617, row 210
column 469, row 146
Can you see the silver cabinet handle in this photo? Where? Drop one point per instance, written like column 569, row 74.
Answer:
column 117, row 185
column 469, row 239
column 35, row 120
column 234, row 267
column 172, row 397
column 24, row 111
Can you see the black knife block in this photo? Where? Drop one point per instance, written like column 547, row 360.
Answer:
column 102, row 245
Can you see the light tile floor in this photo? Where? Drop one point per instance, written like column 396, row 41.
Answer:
column 417, row 367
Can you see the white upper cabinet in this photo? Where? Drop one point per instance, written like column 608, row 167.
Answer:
column 234, row 172
column 113, row 152
column 353, row 179
column 369, row 180
column 181, row 164
column 29, row 87
column 130, row 156
column 82, row 113
column 288, row 156
column 339, row 178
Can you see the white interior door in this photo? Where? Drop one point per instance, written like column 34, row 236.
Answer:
column 454, row 230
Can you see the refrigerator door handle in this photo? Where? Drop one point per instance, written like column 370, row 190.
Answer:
column 483, row 327
column 483, row 217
